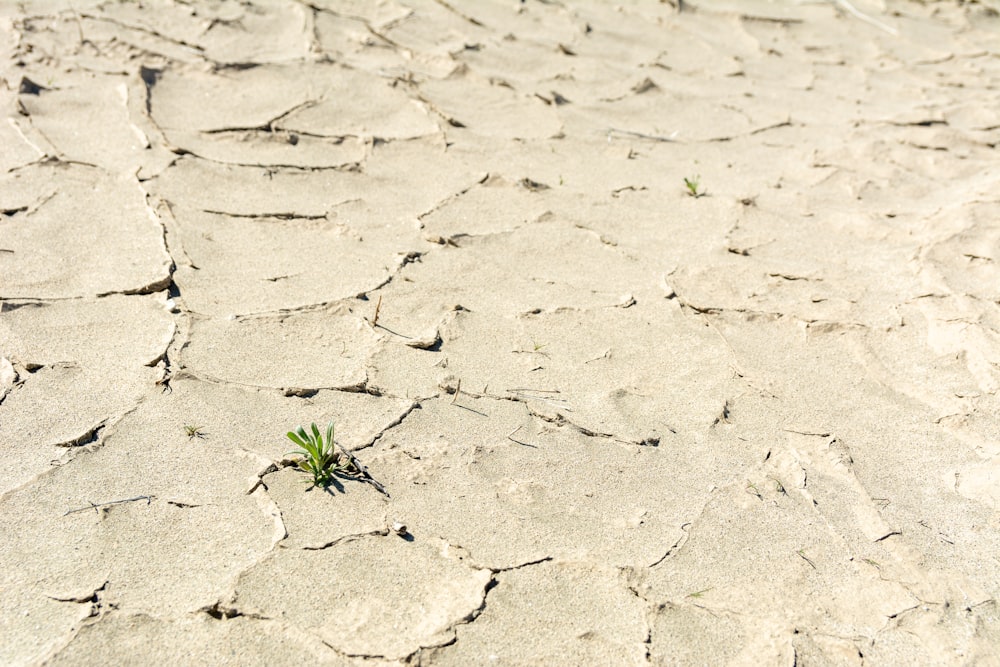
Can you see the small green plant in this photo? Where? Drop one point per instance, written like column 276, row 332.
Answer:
column 194, row 432
column 693, row 184
column 320, row 456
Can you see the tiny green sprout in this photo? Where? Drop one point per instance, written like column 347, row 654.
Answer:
column 692, row 185
column 872, row 563
column 320, row 457
column 752, row 488
column 698, row 594
column 538, row 346
column 194, row 432
column 803, row 556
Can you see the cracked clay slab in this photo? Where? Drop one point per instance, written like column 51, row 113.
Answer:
column 184, row 529
column 528, row 490
column 328, row 346
column 382, row 596
column 122, row 250
column 224, row 641
column 87, row 120
column 264, row 264
column 554, row 613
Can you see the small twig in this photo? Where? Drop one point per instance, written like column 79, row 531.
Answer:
column 851, row 9
column 537, row 391
column 523, row 444
column 472, row 410
column 394, row 333
column 375, row 325
column 607, row 353
column 363, row 475
column 560, row 403
column 458, row 388
column 640, row 135
column 803, row 556
column 94, row 506
column 821, row 434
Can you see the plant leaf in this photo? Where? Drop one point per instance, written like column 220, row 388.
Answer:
column 314, row 453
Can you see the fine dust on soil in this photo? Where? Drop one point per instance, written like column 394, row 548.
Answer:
column 625, row 421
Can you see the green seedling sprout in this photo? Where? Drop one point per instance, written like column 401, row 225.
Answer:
column 692, row 185
column 194, row 432
column 320, row 457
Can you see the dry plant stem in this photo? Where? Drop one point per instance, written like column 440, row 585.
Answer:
column 851, row 9
column 638, row 135
column 510, row 436
column 363, row 474
column 94, row 506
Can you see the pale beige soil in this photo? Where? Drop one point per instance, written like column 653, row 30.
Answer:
column 623, row 425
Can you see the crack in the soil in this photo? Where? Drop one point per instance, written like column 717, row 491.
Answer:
column 148, row 31
column 414, row 405
column 474, row 614
column 344, row 539
column 676, row 546
column 88, row 437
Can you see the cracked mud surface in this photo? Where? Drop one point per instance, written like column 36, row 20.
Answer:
column 621, row 424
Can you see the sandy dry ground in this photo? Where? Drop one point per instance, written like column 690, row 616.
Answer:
column 624, row 425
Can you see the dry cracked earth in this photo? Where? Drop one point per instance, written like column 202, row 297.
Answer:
column 624, row 423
